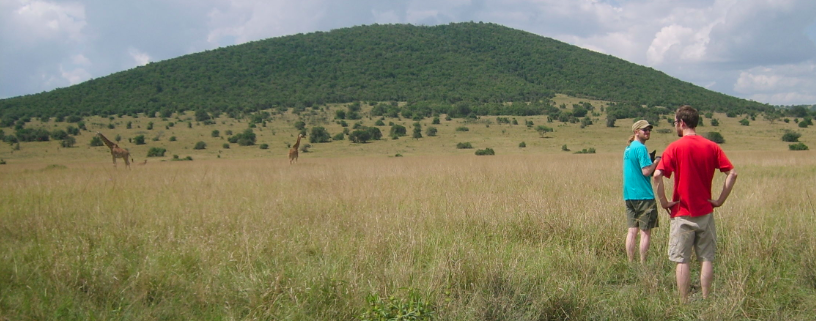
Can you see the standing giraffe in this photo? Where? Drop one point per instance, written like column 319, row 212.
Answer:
column 293, row 152
column 116, row 151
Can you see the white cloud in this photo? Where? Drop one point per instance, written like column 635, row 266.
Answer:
column 32, row 22
column 80, row 60
column 75, row 76
column 240, row 21
column 784, row 84
column 139, row 58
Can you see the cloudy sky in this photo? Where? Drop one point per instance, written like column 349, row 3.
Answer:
column 763, row 50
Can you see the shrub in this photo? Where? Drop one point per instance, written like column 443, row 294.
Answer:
column 803, row 124
column 715, row 122
column 200, row 145
column 360, row 136
column 664, row 130
column 466, row 145
column 379, row 122
column 172, row 138
column 791, row 136
column 247, row 138
column 58, row 134
column 96, row 141
column 798, row 146
column 715, row 137
column 139, row 140
column 68, row 141
column 156, row 152
column 430, row 131
column 522, row 145
column 149, row 126
column 319, row 135
column 215, row 133
column 263, row 146
column 564, row 148
column 225, row 146
column 744, row 122
column 414, row 308
column 397, row 130
column 543, row 130
column 487, row 151
column 591, row 150
column 339, row 136
column 462, row 129
column 300, row 125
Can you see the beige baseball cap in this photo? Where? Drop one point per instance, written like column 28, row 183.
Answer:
column 641, row 124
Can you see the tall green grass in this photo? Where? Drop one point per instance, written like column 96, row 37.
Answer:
column 516, row 237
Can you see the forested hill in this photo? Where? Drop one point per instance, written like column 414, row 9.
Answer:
column 474, row 63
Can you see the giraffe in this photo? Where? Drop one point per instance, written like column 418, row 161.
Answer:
column 293, row 152
column 116, row 151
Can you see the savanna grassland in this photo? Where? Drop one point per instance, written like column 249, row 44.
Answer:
column 533, row 233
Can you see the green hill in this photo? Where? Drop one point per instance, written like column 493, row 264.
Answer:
column 475, row 66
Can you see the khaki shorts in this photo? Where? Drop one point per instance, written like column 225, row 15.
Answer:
column 641, row 214
column 699, row 233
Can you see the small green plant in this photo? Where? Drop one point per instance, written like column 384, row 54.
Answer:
column 339, row 136
column 591, row 150
column 262, row 146
column 172, row 138
column 798, row 146
column 715, row 137
column 200, row 145
column 565, row 148
column 522, row 145
column 715, row 122
column 176, row 158
column 96, row 141
column 215, row 133
column 156, row 152
column 2, row 161
column 791, row 136
column 225, row 146
column 744, row 122
column 485, row 152
column 430, row 131
column 415, row 307
column 462, row 129
column 465, row 145
column 139, row 140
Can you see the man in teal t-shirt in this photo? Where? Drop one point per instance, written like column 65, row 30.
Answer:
column 641, row 208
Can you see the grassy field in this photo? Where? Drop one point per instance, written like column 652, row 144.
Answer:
column 530, row 234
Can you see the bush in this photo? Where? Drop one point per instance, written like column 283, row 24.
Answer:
column 430, row 131
column 247, row 138
column 172, row 138
column 156, row 152
column 96, row 141
column 586, row 151
column 803, row 124
column 466, row 145
column 215, row 133
column 200, row 145
column 264, row 146
column 522, row 145
column 300, row 125
column 68, row 141
column 462, row 129
column 225, row 146
column 486, row 151
column 744, row 122
column 360, row 136
column 715, row 122
column 791, row 136
column 715, row 137
column 798, row 146
column 398, row 130
column 319, row 135
column 339, row 136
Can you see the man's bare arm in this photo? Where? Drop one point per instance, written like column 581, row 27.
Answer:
column 727, row 186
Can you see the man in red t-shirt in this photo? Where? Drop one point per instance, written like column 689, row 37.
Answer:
column 692, row 159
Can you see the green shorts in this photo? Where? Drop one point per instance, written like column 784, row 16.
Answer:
column 641, row 214
column 687, row 233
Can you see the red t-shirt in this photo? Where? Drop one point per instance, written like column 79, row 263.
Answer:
column 694, row 159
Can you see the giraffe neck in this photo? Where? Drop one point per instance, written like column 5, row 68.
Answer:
column 105, row 140
column 297, row 144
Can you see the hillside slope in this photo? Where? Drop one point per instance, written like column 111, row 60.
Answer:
column 475, row 63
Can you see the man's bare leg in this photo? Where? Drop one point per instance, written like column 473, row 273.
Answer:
column 630, row 243
column 706, row 277
column 682, row 275
column 645, row 240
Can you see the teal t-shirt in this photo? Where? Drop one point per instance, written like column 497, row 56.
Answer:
column 635, row 185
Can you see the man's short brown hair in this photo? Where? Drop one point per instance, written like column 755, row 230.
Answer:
column 688, row 115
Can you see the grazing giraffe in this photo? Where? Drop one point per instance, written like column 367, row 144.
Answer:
column 116, row 151
column 293, row 152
